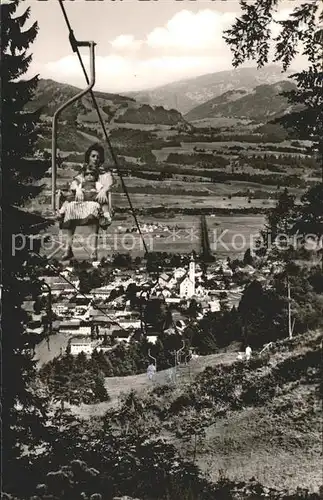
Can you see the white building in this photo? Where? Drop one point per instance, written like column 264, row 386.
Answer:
column 74, row 327
column 166, row 281
column 187, row 286
column 82, row 344
column 166, row 293
column 200, row 291
column 103, row 292
column 172, row 300
column 59, row 285
column 129, row 323
column 179, row 272
column 215, row 306
column 85, row 330
column 60, row 309
column 152, row 338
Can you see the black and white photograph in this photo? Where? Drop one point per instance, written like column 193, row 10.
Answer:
column 162, row 249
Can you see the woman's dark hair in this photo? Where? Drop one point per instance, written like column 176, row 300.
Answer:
column 95, row 147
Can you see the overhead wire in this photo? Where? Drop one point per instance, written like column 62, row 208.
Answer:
column 107, row 139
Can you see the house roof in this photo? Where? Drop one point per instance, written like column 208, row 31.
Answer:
column 182, row 278
column 103, row 289
column 64, row 302
column 52, row 280
column 121, row 334
column 61, row 286
column 102, row 319
column 80, row 340
column 74, row 323
column 170, row 331
column 165, row 277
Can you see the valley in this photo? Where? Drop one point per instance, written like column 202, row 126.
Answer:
column 179, row 235
column 178, row 167
column 176, row 172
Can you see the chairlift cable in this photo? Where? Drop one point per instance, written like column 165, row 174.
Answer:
column 113, row 155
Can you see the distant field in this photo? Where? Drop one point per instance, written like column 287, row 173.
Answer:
column 174, row 201
column 247, row 148
column 170, row 191
column 182, row 236
column 220, row 188
column 222, row 121
column 182, row 192
column 230, row 187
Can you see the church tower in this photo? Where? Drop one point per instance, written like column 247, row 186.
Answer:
column 187, row 286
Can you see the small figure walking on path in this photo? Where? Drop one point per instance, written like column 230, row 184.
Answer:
column 248, row 353
column 151, row 370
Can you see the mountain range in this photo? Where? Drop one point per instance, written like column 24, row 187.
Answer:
column 187, row 94
column 79, row 125
column 116, row 110
column 262, row 103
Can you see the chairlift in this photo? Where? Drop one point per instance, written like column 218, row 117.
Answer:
column 179, row 352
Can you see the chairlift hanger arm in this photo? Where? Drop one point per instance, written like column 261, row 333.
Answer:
column 89, row 87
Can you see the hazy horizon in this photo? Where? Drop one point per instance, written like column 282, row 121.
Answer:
column 151, row 89
column 140, row 46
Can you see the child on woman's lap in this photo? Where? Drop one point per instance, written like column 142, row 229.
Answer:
column 87, row 190
column 90, row 186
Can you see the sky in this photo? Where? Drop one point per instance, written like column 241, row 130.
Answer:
column 140, row 44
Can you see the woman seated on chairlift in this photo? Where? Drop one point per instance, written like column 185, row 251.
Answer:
column 88, row 202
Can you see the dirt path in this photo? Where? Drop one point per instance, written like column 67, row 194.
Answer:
column 116, row 386
column 47, row 351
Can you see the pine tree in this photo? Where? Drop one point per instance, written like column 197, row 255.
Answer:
column 22, row 409
column 310, row 218
column 281, row 219
column 250, row 38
